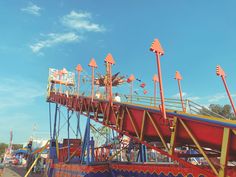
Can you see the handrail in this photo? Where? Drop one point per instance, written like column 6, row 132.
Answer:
column 203, row 110
column 170, row 103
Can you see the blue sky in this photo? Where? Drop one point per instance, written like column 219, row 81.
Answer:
column 36, row 35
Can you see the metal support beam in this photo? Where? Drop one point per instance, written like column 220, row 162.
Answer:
column 158, row 131
column 108, row 114
column 68, row 133
column 173, row 136
column 142, row 127
column 50, row 119
column 78, row 131
column 121, row 120
column 91, row 143
column 224, row 152
column 234, row 131
column 163, row 109
column 88, row 141
column 132, row 122
column 55, row 122
column 199, row 147
column 144, row 153
column 59, row 122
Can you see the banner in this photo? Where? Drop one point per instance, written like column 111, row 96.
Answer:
column 63, row 77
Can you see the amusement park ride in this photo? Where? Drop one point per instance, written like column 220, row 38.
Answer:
column 181, row 141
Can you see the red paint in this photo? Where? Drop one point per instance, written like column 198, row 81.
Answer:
column 79, row 70
column 145, row 92
column 110, row 61
column 142, row 85
column 178, row 77
column 161, row 87
column 157, row 49
column 155, row 80
column 93, row 65
column 208, row 134
column 220, row 72
column 130, row 80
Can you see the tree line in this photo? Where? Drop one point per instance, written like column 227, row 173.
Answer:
column 223, row 110
column 3, row 146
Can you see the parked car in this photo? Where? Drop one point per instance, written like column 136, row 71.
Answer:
column 8, row 161
column 15, row 161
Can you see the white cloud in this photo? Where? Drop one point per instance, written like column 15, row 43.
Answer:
column 81, row 21
column 32, row 9
column 54, row 39
column 217, row 97
column 177, row 95
column 194, row 98
column 18, row 92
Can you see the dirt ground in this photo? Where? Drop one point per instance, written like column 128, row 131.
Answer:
column 17, row 171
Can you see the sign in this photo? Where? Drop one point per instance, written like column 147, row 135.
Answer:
column 63, row 77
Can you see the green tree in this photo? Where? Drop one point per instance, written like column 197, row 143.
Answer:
column 225, row 110
column 3, row 146
column 17, row 146
column 99, row 134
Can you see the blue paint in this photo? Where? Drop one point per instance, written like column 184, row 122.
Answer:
column 184, row 116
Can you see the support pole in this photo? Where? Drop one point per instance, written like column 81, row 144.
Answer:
column 113, row 134
column 55, row 122
column 35, row 161
column 144, row 153
column 220, row 72
column 68, row 134
column 131, row 92
column 155, row 80
column 92, row 84
column 79, row 69
column 229, row 95
column 173, row 136
column 78, row 131
column 92, row 149
column 178, row 77
column 88, row 141
column 59, row 122
column 60, row 79
column 130, row 80
column 109, row 62
column 157, row 49
column 110, row 83
column 106, row 81
column 62, row 73
column 163, row 109
column 50, row 120
column 224, row 152
column 93, row 65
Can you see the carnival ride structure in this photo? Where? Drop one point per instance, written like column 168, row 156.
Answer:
column 163, row 125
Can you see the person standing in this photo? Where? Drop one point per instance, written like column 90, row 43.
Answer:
column 117, row 98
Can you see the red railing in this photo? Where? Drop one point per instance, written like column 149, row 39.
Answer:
column 63, row 153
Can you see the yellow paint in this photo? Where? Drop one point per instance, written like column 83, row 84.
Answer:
column 35, row 161
column 142, row 127
column 199, row 147
column 203, row 117
column 234, row 131
column 158, row 131
column 132, row 122
column 173, row 136
column 224, row 152
column 57, row 146
column 122, row 120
